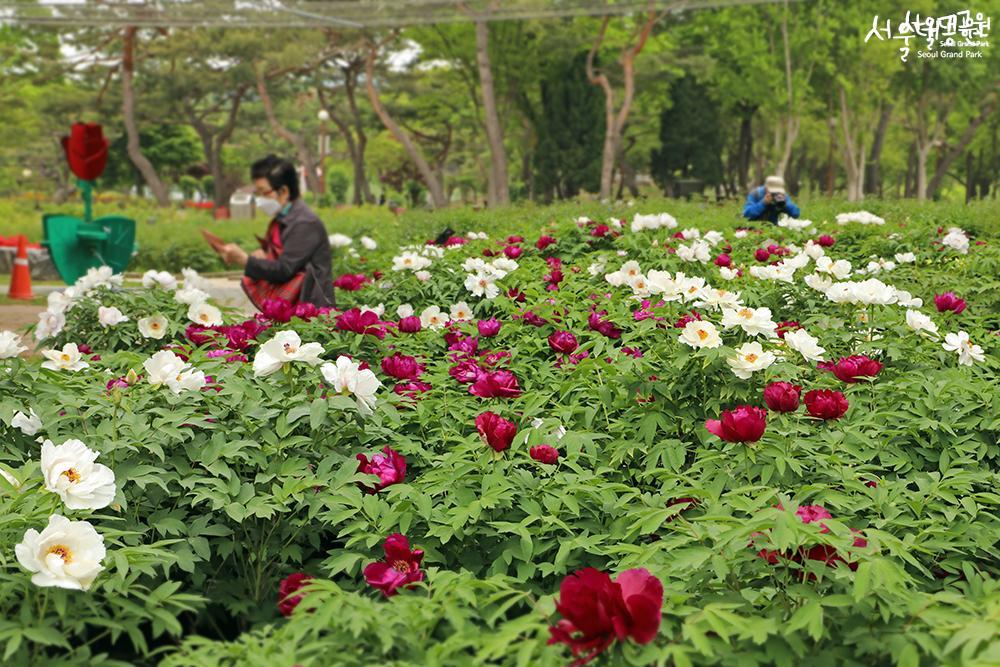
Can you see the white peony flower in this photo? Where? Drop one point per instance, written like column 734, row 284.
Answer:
column 956, row 239
column 166, row 368
column 664, row 284
column 749, row 358
column 66, row 359
column 628, row 270
column 154, row 326
column 651, row 221
column 805, row 344
column 905, row 257
column 368, row 243
column 482, row 284
column 861, row 217
column 966, row 349
column 818, row 282
column 640, row 286
column 162, row 279
column 422, row 276
column 404, row 310
column 29, row 424
column 110, row 316
column 193, row 280
column 10, row 345
column 690, row 287
column 796, row 224
column 755, row 321
column 204, row 314
column 66, row 554
column 340, row 240
column 920, row 322
column 410, row 261
column 728, row 273
column 190, row 296
column 60, row 301
column 461, row 311
column 700, row 334
column 70, row 471
column 285, row 347
column 717, row 298
column 50, row 323
column 346, row 377
column 433, row 318
column 840, row 269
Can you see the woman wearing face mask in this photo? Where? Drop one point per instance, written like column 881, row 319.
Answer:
column 294, row 260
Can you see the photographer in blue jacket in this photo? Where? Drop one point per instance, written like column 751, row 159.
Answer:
column 769, row 201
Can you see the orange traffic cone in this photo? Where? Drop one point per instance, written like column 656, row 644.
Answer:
column 20, row 277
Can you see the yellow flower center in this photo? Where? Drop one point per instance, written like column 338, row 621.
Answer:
column 746, row 313
column 290, row 349
column 62, row 551
column 750, row 358
column 64, row 356
column 72, row 475
column 400, row 566
column 702, row 334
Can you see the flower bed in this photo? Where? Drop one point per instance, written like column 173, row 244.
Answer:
column 630, row 440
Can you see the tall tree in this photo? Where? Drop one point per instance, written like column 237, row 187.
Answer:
column 431, row 179
column 140, row 161
column 615, row 116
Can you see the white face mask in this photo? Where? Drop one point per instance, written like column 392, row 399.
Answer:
column 268, row 206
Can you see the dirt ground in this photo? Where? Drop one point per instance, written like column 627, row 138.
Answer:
column 15, row 317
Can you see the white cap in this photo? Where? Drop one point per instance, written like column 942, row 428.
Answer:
column 775, row 184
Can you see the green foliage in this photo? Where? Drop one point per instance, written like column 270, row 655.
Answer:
column 338, row 182
column 691, row 144
column 570, row 132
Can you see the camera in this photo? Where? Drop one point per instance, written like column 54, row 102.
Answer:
column 778, row 200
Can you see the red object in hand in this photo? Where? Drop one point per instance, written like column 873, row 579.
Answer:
column 86, row 150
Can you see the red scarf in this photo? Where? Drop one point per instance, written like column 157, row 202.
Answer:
column 258, row 290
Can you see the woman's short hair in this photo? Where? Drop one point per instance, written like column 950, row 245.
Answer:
column 278, row 172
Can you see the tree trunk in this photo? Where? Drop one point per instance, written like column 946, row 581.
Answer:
column 499, row 188
column 305, row 155
column 854, row 153
column 873, row 179
column 438, row 198
column 909, row 189
column 614, row 122
column 213, row 139
column 140, row 161
column 945, row 161
column 745, row 146
column 360, row 177
column 792, row 121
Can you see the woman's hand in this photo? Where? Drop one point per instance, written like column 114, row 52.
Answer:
column 232, row 254
column 259, row 254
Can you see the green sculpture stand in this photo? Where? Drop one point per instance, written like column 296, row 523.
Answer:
column 76, row 245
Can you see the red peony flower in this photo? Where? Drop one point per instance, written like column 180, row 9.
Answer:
column 361, row 322
column 488, row 328
column 498, row 384
column 722, row 259
column 948, row 301
column 401, row 567
column 496, row 431
column 786, row 326
column 597, row 611
column 825, row 403
column 409, row 324
column 86, row 150
column 682, row 322
column 826, row 241
column 762, row 255
column 402, row 367
column 512, row 251
column 389, row 466
column 351, row 282
column 544, row 454
column 563, row 342
column 287, row 601
column 744, row 424
column 852, row 369
column 411, row 389
column 782, row 396
column 277, row 310
column 544, row 242
column 603, row 326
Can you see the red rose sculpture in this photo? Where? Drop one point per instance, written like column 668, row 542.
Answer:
column 86, row 150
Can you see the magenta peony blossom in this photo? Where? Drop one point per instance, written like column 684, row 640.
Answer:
column 563, row 342
column 762, row 255
column 287, row 600
column 544, row 454
column 948, row 301
column 389, row 467
column 544, row 241
column 782, row 396
column 402, row 367
column 410, row 324
column 496, row 431
column 854, row 368
column 359, row 322
column 488, row 328
column 400, row 569
column 825, row 404
column 744, row 424
column 498, row 384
